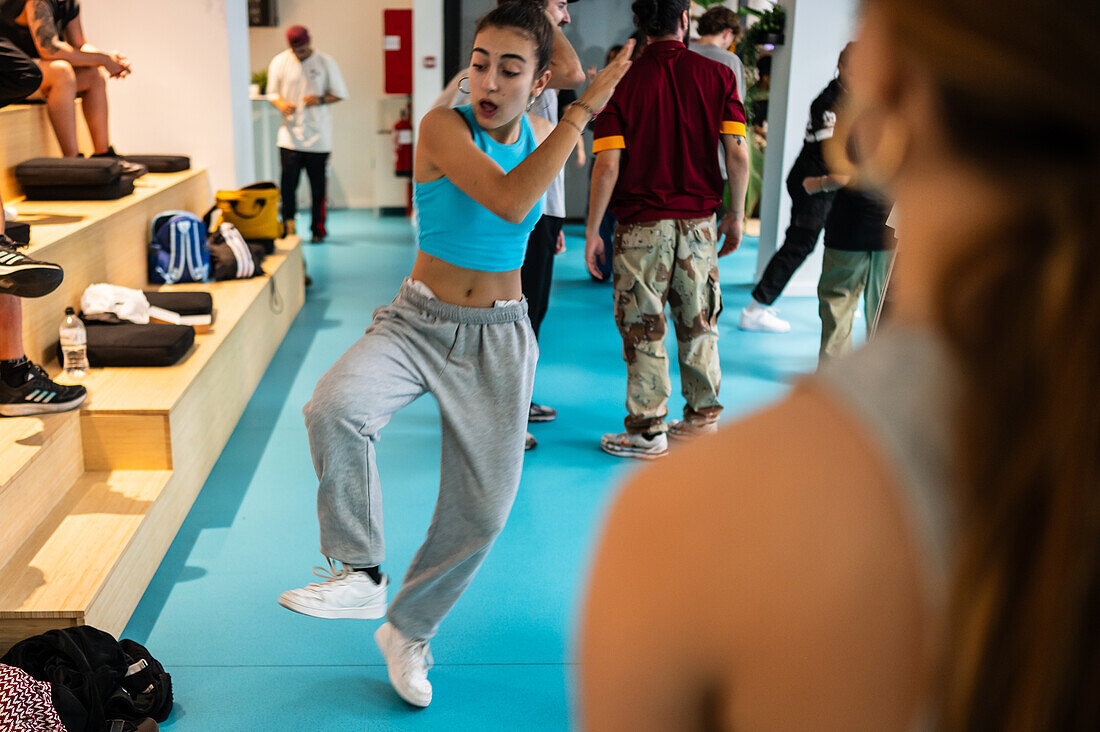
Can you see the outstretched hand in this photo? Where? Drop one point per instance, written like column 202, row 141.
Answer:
column 599, row 92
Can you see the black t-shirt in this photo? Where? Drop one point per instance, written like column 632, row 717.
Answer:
column 810, row 160
column 63, row 12
column 857, row 222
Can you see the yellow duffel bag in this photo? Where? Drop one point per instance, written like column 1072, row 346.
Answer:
column 254, row 210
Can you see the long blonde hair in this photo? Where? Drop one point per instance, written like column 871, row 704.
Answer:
column 1021, row 309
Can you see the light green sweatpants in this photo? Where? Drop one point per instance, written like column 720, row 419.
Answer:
column 844, row 276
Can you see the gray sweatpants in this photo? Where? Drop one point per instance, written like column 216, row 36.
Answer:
column 479, row 363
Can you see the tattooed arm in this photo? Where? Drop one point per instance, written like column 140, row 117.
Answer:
column 51, row 47
column 737, row 171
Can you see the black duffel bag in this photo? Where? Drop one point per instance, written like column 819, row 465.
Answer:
column 73, row 179
column 160, row 163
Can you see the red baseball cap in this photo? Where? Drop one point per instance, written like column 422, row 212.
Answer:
column 297, row 35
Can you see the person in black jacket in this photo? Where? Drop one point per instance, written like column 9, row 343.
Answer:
column 812, row 190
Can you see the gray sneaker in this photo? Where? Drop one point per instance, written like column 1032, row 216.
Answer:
column 627, row 444
column 679, row 429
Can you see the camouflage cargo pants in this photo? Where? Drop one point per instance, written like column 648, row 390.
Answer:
column 673, row 261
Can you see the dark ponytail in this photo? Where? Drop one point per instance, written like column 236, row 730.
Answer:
column 656, row 18
column 531, row 21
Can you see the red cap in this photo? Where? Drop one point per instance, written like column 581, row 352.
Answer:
column 297, row 35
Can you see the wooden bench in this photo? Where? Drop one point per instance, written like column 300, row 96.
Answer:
column 90, row 500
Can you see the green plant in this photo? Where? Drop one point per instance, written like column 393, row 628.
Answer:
column 768, row 22
column 259, row 78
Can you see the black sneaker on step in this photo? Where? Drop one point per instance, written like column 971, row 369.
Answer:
column 38, row 394
column 130, row 169
column 25, row 277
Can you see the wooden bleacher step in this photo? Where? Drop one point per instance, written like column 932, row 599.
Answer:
column 40, row 458
column 63, row 574
column 149, row 438
column 90, row 500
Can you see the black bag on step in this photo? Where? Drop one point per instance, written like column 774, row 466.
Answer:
column 182, row 303
column 233, row 258
column 160, row 163
column 130, row 344
column 18, row 231
column 73, row 179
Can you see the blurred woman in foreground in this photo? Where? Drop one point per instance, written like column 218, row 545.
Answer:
column 933, row 556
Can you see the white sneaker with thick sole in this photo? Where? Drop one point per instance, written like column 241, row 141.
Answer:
column 626, row 444
column 345, row 594
column 679, row 429
column 762, row 319
column 407, row 661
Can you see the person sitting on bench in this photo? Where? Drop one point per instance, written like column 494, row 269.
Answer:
column 51, row 33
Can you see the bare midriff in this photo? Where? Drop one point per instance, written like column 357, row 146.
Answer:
column 469, row 288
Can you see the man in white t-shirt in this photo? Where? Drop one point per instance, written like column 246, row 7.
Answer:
column 302, row 83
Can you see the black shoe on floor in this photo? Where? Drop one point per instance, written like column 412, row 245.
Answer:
column 130, row 169
column 25, row 277
column 541, row 413
column 38, row 394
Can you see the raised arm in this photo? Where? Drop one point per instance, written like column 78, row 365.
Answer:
column 445, row 141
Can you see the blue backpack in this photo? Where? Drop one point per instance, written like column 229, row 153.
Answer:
column 178, row 250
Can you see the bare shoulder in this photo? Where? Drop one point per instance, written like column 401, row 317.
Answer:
column 541, row 127
column 440, row 120
column 791, row 550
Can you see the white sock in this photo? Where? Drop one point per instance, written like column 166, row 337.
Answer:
column 754, row 306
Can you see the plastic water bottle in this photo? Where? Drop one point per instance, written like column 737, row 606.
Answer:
column 74, row 345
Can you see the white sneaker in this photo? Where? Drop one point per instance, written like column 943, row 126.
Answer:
column 626, row 444
column 762, row 318
column 345, row 594
column 679, row 429
column 407, row 661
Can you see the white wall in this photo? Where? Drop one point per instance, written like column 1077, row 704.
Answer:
column 188, row 93
column 361, row 165
column 428, row 83
column 817, row 31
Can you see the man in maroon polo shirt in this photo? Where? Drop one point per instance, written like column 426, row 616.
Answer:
column 655, row 165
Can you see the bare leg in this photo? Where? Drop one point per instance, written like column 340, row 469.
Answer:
column 11, row 328
column 91, row 84
column 59, row 90
column 11, row 318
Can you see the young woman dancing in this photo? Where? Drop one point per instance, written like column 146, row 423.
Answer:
column 458, row 329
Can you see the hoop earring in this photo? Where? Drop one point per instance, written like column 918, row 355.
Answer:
column 467, row 89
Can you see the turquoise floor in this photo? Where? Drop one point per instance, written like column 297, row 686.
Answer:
column 504, row 655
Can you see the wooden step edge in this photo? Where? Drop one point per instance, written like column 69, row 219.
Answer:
column 60, row 568
column 17, row 453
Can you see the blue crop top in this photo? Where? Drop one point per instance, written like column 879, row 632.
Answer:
column 458, row 229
